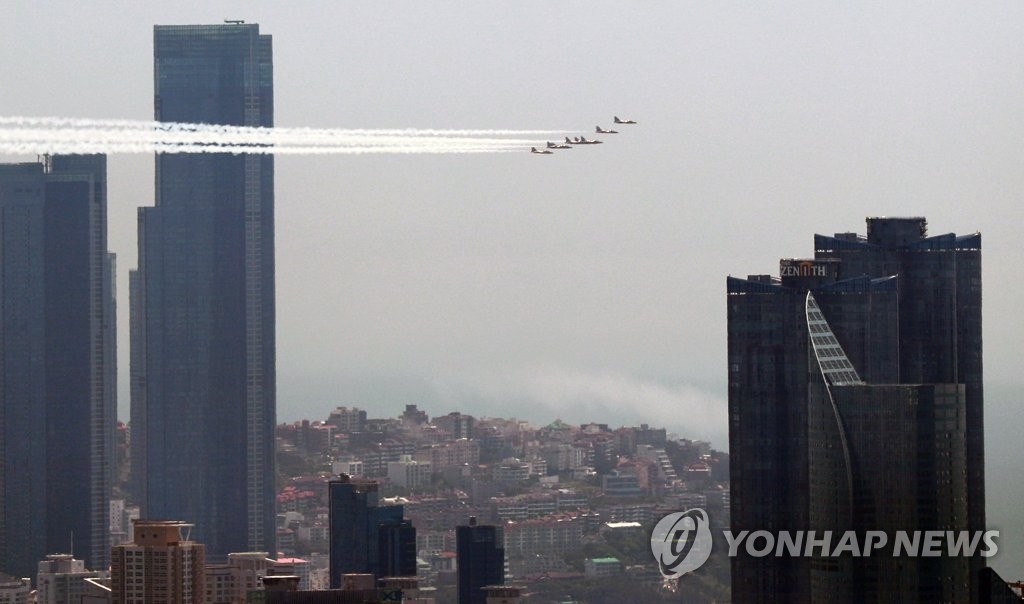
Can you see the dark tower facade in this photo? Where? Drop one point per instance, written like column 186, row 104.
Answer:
column 366, row 537
column 906, row 309
column 203, row 374
column 57, row 374
column 480, row 557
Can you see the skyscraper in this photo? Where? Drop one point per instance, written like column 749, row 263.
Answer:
column 366, row 537
column 57, row 394
column 905, row 310
column 882, row 457
column 203, row 382
column 480, row 558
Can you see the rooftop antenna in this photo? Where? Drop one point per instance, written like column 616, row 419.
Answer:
column 72, row 544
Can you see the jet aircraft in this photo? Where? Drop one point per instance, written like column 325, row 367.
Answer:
column 621, row 121
column 544, row 152
column 552, row 145
column 582, row 141
column 601, row 130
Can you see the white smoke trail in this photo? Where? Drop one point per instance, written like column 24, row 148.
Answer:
column 56, row 135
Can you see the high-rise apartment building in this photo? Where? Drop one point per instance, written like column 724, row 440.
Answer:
column 162, row 566
column 57, row 391
column 366, row 537
column 480, row 559
column 883, row 457
column 807, row 441
column 203, row 365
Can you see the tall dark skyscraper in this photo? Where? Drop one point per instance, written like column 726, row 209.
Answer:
column 904, row 311
column 57, row 374
column 203, row 382
column 366, row 537
column 480, row 558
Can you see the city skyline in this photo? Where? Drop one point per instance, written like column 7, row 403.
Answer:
column 582, row 287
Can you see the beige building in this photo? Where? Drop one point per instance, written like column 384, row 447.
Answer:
column 231, row 583
column 161, row 566
column 61, row 579
column 14, row 590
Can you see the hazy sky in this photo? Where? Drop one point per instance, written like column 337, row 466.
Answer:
column 589, row 284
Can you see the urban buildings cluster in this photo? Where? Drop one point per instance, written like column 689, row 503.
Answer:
column 553, row 493
column 504, row 509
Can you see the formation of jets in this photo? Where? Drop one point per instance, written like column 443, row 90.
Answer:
column 579, row 140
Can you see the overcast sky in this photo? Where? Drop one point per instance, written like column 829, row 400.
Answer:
column 587, row 285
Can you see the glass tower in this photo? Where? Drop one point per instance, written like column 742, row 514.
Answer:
column 57, row 373
column 366, row 537
column 903, row 331
column 480, row 558
column 203, row 366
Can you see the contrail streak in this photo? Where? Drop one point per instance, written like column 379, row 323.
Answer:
column 57, row 135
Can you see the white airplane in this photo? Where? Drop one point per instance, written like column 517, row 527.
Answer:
column 601, row 130
column 582, row 141
column 621, row 121
column 552, row 145
column 544, row 152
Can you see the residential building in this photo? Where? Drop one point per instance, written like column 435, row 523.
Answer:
column 61, row 579
column 622, row 484
column 409, row 474
column 347, row 420
column 14, row 590
column 203, row 373
column 889, row 458
column 454, row 453
column 666, row 472
column 900, row 311
column 161, row 566
column 57, row 373
column 231, row 582
column 551, row 535
column 511, row 471
column 456, row 425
